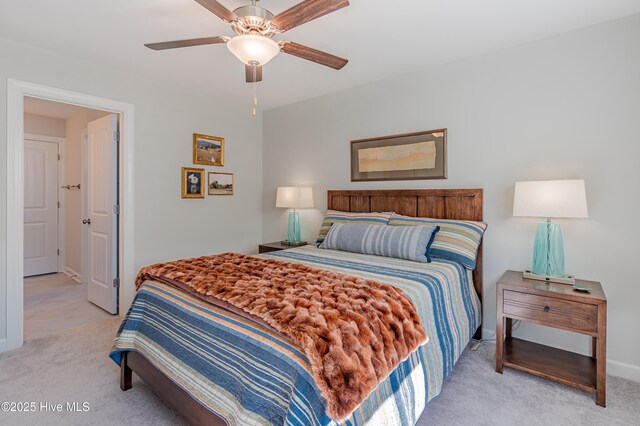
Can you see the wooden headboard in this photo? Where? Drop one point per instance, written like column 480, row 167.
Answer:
column 459, row 204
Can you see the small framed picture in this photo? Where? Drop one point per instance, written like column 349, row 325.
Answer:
column 208, row 150
column 192, row 183
column 220, row 183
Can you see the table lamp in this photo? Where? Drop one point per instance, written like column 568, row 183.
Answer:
column 294, row 197
column 550, row 199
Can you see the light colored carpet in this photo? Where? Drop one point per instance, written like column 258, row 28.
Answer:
column 73, row 366
column 474, row 394
column 55, row 302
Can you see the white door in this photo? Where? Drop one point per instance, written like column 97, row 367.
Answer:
column 101, row 221
column 40, row 207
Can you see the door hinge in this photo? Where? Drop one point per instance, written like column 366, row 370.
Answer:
column 58, row 252
column 116, row 136
column 116, row 209
column 58, row 157
column 116, row 282
column 58, row 204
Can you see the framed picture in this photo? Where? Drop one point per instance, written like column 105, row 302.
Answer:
column 208, row 150
column 421, row 155
column 220, row 183
column 192, row 183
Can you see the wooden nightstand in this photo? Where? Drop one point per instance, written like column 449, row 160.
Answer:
column 277, row 246
column 558, row 306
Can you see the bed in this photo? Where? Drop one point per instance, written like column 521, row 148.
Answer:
column 216, row 368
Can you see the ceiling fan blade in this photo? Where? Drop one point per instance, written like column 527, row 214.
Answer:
column 314, row 55
column 186, row 43
column 219, row 10
column 250, row 76
column 306, row 11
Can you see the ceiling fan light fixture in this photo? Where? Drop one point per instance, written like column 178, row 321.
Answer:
column 253, row 49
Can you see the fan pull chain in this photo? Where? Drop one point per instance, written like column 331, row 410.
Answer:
column 255, row 88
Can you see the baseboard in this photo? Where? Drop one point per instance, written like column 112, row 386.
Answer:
column 487, row 332
column 3, row 345
column 624, row 370
column 615, row 368
column 73, row 274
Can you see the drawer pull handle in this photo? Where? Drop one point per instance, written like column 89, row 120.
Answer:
column 546, row 309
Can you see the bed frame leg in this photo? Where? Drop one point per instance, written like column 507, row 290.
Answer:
column 125, row 373
column 478, row 335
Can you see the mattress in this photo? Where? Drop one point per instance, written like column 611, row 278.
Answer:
column 249, row 375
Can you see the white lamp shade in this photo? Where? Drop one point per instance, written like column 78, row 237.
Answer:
column 550, row 198
column 253, row 48
column 294, row 197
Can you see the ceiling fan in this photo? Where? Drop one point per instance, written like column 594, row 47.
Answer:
column 255, row 28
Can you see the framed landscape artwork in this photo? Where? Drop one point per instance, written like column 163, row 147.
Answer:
column 208, row 150
column 192, row 183
column 420, row 155
column 220, row 183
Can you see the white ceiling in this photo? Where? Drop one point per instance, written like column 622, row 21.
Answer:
column 380, row 38
column 51, row 109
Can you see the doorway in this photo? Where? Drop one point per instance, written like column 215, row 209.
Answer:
column 122, row 257
column 70, row 223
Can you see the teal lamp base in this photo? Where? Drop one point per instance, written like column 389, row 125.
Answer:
column 548, row 256
column 548, row 250
column 293, row 229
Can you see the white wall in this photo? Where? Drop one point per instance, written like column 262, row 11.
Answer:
column 564, row 107
column 73, row 176
column 44, row 126
column 166, row 227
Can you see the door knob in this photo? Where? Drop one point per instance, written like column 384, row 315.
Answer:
column 86, row 221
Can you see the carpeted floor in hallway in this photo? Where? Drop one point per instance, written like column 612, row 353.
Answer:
column 55, row 302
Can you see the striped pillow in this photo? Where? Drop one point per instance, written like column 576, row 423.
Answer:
column 335, row 216
column 402, row 242
column 458, row 240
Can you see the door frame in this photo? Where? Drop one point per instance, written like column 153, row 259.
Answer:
column 16, row 91
column 84, row 259
column 62, row 196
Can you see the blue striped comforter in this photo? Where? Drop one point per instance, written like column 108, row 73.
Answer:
column 249, row 375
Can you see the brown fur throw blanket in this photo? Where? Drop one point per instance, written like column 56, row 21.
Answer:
column 353, row 331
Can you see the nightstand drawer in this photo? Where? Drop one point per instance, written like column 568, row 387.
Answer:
column 551, row 311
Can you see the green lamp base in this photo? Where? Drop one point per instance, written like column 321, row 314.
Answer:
column 548, row 250
column 293, row 229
